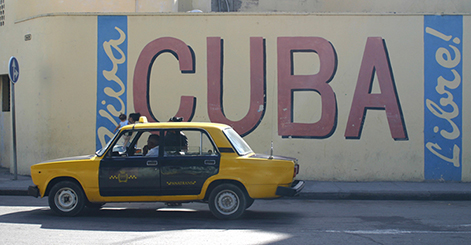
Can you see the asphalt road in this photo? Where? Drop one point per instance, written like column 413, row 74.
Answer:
column 26, row 220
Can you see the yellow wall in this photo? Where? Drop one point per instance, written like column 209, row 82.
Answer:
column 57, row 90
column 30, row 8
column 357, row 6
column 48, row 93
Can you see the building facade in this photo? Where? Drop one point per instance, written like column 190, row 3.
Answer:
column 371, row 91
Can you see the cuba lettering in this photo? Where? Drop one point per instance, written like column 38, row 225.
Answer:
column 142, row 72
column 375, row 59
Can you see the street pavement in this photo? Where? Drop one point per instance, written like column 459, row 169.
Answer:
column 326, row 190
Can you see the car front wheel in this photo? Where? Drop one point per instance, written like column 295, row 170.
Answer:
column 227, row 201
column 67, row 198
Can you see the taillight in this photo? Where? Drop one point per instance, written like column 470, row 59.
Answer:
column 296, row 170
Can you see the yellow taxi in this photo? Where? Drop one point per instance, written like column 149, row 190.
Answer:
column 173, row 162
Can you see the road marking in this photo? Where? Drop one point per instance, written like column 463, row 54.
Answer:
column 395, row 232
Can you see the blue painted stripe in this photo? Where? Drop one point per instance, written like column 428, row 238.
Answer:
column 443, row 93
column 112, row 54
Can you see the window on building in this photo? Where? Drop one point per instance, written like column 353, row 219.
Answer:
column 2, row 12
column 225, row 5
column 5, row 91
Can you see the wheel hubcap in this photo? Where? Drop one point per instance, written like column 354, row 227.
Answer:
column 227, row 202
column 66, row 199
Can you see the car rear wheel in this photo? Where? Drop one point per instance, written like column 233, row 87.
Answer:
column 227, row 201
column 67, row 198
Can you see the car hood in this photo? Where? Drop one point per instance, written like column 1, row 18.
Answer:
column 84, row 157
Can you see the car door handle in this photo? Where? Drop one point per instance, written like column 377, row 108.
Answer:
column 209, row 162
column 152, row 163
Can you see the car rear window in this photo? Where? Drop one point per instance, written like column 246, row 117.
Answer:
column 237, row 142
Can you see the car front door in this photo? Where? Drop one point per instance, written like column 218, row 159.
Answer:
column 125, row 172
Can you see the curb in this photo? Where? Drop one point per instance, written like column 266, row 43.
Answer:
column 385, row 195
column 13, row 192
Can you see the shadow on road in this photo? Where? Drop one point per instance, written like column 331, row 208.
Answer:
column 190, row 216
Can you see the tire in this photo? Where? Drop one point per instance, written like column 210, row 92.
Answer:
column 227, row 201
column 67, row 198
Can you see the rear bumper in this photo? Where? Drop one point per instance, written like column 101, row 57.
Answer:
column 33, row 190
column 294, row 190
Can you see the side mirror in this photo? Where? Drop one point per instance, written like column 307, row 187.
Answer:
column 118, row 150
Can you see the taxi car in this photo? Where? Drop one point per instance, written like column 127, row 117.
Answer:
column 205, row 162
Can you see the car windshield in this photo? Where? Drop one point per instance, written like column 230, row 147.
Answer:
column 237, row 142
column 102, row 150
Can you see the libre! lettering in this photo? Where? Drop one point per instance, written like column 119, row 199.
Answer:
column 444, row 58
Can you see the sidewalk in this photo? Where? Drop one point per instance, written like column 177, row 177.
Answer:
column 11, row 187
column 324, row 190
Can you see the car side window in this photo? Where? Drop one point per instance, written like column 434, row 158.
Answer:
column 132, row 143
column 188, row 143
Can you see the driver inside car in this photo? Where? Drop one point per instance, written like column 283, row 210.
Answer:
column 152, row 147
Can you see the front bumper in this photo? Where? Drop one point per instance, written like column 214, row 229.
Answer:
column 33, row 190
column 292, row 191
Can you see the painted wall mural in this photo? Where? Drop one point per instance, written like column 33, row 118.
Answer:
column 442, row 37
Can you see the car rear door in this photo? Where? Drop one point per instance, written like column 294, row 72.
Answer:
column 188, row 161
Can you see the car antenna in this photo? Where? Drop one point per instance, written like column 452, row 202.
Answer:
column 271, row 151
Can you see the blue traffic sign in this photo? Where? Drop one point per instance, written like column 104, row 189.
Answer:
column 14, row 69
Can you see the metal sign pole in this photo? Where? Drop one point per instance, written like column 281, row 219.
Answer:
column 14, row 73
column 13, row 115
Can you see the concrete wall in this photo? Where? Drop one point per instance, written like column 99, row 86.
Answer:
column 299, row 80
column 49, row 94
column 355, row 6
column 29, row 8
